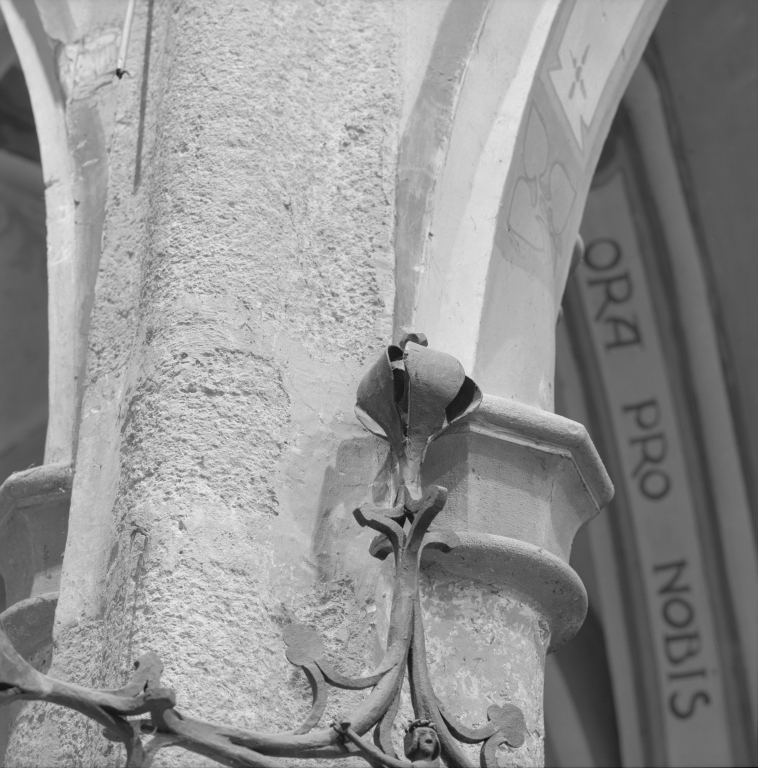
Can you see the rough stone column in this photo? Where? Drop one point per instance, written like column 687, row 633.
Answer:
column 245, row 280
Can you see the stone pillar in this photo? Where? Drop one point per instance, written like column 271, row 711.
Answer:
column 244, row 283
column 520, row 484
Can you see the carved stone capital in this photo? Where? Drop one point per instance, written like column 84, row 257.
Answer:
column 521, row 482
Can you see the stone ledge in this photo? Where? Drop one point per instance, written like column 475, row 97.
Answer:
column 547, row 432
column 518, row 472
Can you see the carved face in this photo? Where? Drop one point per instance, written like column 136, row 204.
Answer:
column 425, row 744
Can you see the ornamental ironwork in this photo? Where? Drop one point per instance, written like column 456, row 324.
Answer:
column 408, row 397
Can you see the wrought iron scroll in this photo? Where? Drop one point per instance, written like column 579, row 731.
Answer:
column 408, row 397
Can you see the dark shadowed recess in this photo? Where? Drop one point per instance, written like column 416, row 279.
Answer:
column 17, row 132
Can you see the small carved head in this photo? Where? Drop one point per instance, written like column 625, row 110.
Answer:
column 422, row 744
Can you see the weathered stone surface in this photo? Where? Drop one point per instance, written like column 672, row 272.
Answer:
column 486, row 645
column 245, row 274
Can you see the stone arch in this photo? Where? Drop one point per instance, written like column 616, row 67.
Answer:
column 520, row 108
column 36, row 59
column 34, row 501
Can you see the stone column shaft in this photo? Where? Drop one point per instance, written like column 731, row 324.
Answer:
column 246, row 277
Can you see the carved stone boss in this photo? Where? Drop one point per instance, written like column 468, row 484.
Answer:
column 410, row 397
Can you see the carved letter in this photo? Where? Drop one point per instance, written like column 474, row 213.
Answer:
column 678, row 612
column 647, row 413
column 653, row 456
column 684, row 714
column 625, row 332
column 602, row 254
column 618, row 289
column 679, row 648
column 655, row 484
column 671, row 586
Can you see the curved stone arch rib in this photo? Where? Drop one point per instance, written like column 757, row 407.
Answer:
column 424, row 143
column 510, row 193
column 644, row 102
column 37, row 62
